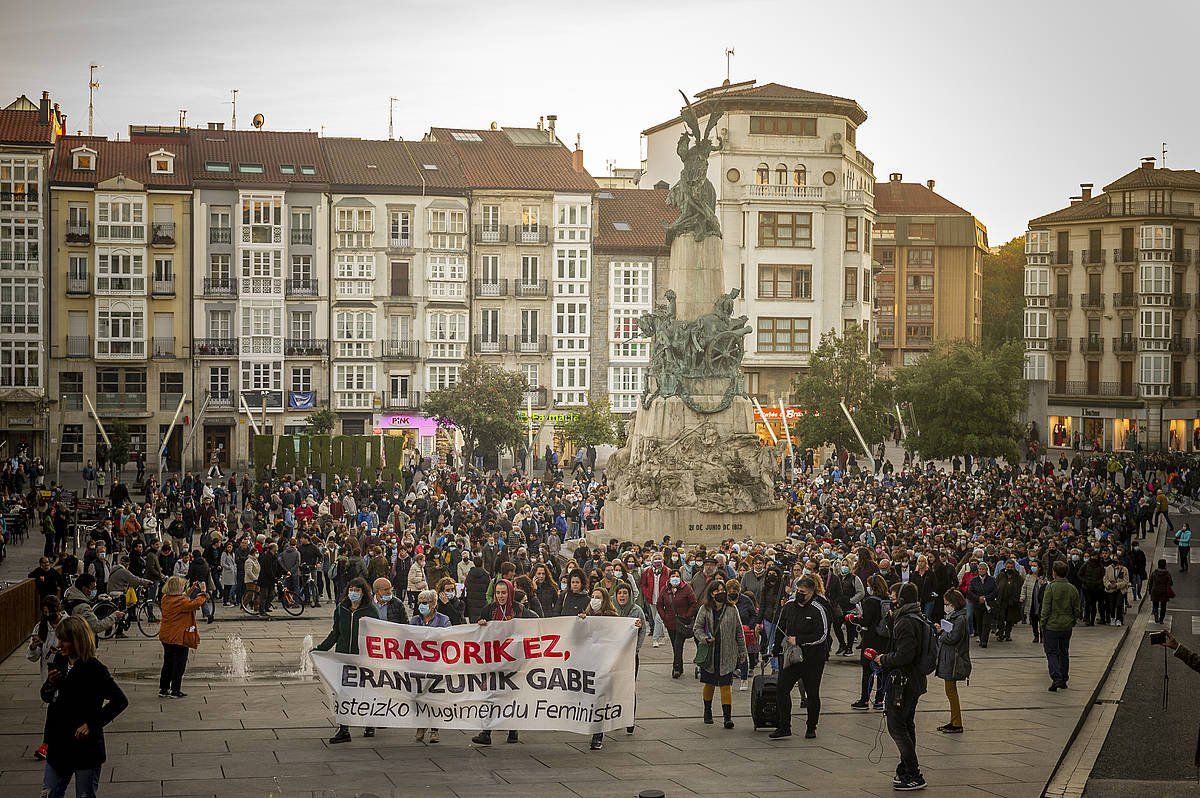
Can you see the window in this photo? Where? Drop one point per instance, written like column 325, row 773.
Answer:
column 219, row 221
column 355, row 220
column 287, row 168
column 1037, row 282
column 925, row 231
column 262, row 321
column 399, row 283
column 262, row 271
column 530, row 268
column 1156, row 236
column 1154, row 323
column 571, row 318
column 762, row 175
column 781, row 175
column 530, row 218
column 301, row 273
column 491, row 220
column 1035, row 366
column 532, row 374
column 631, row 283
column 120, row 218
column 170, row 383
column 447, row 267
column 251, row 168
column 19, row 364
column 120, row 271
column 446, row 327
column 162, row 162
column 851, row 233
column 20, row 308
column 216, row 166
column 1155, row 278
column 783, row 335
column 919, row 311
column 464, row 135
column 1037, row 242
column 83, row 159
column 784, row 229
column 218, row 268
column 400, row 228
column 354, row 332
column 308, row 170
column 571, row 380
column 625, row 386
column 262, row 219
column 785, row 282
column 441, row 377
column 19, row 245
column 120, row 330
column 302, row 378
column 1155, row 369
column 300, row 325
column 262, row 376
column 799, row 176
column 623, row 334
column 77, row 219
column 302, row 225
column 850, row 285
column 783, row 125
column 72, row 443
column 356, row 267
column 922, row 283
column 1037, row 323
column 218, row 381
column 530, row 324
column 20, row 179
column 920, row 258
column 219, row 324
column 851, row 133
column 571, row 264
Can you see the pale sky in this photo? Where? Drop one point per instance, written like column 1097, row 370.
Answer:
column 1007, row 105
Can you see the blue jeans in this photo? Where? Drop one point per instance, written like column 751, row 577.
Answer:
column 54, row 783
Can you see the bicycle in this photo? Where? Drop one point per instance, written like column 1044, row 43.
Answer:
column 292, row 605
column 148, row 620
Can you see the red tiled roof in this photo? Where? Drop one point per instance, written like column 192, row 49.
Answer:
column 495, row 162
column 1095, row 208
column 23, row 127
column 129, row 158
column 399, row 165
column 271, row 148
column 746, row 96
column 644, row 211
column 910, row 199
column 1156, row 178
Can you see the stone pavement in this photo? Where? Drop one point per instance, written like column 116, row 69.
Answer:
column 266, row 735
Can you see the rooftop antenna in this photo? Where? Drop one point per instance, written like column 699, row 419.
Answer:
column 183, row 117
column 1164, row 155
column 234, row 125
column 93, row 84
column 391, row 109
column 728, row 64
column 611, row 164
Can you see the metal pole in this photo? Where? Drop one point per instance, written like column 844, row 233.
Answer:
column 788, row 432
column 163, row 447
column 93, row 84
column 862, row 442
column 187, row 441
column 249, row 415
column 900, row 418
column 767, row 424
column 529, row 420
column 99, row 423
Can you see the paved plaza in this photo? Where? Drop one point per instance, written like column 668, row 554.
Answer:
column 265, row 735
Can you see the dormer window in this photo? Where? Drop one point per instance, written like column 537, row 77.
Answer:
column 83, row 158
column 162, row 163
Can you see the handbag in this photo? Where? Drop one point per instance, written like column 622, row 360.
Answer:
column 792, row 655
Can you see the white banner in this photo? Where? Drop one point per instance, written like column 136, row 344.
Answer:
column 565, row 674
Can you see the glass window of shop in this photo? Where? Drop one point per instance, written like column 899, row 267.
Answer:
column 1061, row 428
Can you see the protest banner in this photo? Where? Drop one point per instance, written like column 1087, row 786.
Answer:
column 564, row 674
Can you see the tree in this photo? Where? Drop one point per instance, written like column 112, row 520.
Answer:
column 1004, row 293
column 483, row 406
column 965, row 399
column 320, row 422
column 595, row 425
column 842, row 369
column 118, row 452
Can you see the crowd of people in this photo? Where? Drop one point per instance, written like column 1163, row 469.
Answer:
column 882, row 564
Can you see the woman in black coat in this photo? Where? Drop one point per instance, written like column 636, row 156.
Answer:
column 476, row 590
column 83, row 699
column 343, row 637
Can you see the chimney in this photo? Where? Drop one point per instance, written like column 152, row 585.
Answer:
column 216, row 125
column 1076, row 200
column 895, row 177
column 1148, row 163
column 541, row 123
column 1086, row 188
column 930, row 184
column 551, row 120
column 577, row 156
column 44, row 109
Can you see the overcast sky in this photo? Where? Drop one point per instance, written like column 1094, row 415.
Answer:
column 1008, row 105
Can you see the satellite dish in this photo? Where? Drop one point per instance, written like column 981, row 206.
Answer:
column 258, row 120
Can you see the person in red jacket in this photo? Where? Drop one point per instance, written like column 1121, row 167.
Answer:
column 652, row 584
column 677, row 608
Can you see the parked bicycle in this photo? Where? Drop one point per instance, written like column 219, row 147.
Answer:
column 292, row 604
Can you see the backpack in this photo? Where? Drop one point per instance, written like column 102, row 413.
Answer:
column 884, row 627
column 927, row 656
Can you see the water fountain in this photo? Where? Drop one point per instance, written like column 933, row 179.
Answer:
column 237, row 669
column 306, row 663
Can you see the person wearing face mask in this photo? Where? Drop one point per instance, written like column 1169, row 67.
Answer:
column 749, row 615
column 600, row 604
column 343, row 637
column 652, row 583
column 873, row 610
column 77, row 601
column 720, row 648
column 387, row 605
column 677, row 608
column 502, row 608
column 954, row 655
column 804, row 625
column 427, row 615
column 1007, row 606
column 627, row 607
column 448, row 603
column 1116, row 583
column 846, row 592
column 981, row 593
column 1032, row 590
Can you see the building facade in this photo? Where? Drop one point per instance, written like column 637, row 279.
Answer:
column 399, row 247
column 120, row 313
column 630, row 275
column 795, row 198
column 260, row 278
column 1110, row 316
column 28, row 132
column 929, row 284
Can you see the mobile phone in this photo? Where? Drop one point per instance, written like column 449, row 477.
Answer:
column 1158, row 638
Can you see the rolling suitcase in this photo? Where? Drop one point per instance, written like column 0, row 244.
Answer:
column 764, row 711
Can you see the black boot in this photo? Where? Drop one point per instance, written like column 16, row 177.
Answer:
column 727, row 711
column 342, row 736
column 708, row 718
column 483, row 738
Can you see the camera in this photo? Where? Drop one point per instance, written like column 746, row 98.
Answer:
column 1158, row 638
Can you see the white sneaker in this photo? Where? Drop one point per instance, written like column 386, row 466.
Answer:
column 744, row 685
column 656, row 644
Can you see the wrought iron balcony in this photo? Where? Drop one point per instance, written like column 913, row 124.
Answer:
column 1181, row 301
column 79, row 286
column 401, row 349
column 490, row 344
column 255, row 398
column 220, row 235
column 306, row 347
column 1091, row 301
column 1063, row 257
column 538, row 397
column 491, row 234
column 1091, row 345
column 219, row 286
column 1124, row 344
column 162, row 347
column 1060, row 345
column 531, row 288
column 304, row 287
column 219, row 398
column 1125, row 300
column 1061, row 301
column 1092, row 257
column 162, row 233
column 530, row 344
column 1180, row 345
column 1123, row 255
column 491, row 288
column 530, row 234
column 1085, row 388
column 216, row 347
column 1182, row 257
column 79, row 346
column 164, row 287
column 302, row 235
column 403, row 244
column 79, row 234
column 402, row 401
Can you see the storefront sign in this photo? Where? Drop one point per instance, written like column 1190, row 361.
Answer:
column 1089, row 413
column 771, row 412
column 542, row 418
column 20, row 421
column 403, row 421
